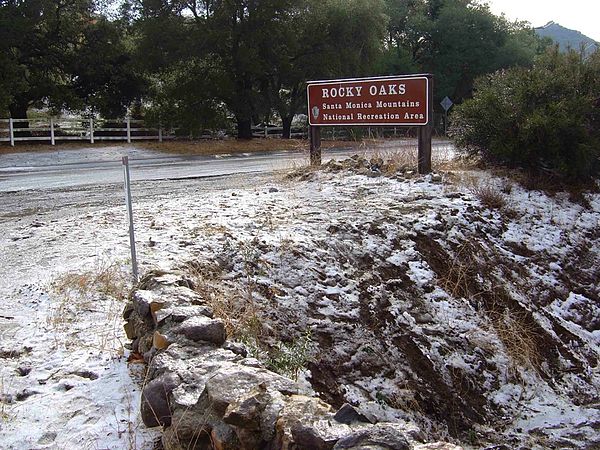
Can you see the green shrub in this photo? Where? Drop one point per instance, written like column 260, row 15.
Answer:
column 544, row 118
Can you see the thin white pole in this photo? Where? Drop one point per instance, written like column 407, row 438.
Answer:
column 128, row 202
column 128, row 130
column 91, row 130
column 159, row 132
column 52, row 141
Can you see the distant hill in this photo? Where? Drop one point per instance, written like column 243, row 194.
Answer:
column 566, row 38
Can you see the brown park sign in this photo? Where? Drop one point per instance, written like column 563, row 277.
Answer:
column 392, row 101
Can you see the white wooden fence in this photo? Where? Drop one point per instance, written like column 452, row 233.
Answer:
column 77, row 129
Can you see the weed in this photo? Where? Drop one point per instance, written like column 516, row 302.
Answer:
column 289, row 358
column 106, row 278
column 490, row 196
column 519, row 338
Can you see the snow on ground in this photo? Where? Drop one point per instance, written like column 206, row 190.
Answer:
column 386, row 274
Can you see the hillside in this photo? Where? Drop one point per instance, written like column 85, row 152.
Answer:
column 565, row 37
column 458, row 304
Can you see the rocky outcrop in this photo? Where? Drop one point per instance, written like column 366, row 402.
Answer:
column 207, row 393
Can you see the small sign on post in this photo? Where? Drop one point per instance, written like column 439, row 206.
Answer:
column 446, row 104
column 128, row 202
column 380, row 101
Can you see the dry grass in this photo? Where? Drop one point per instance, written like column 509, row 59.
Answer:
column 76, row 295
column 107, row 278
column 519, row 337
column 236, row 307
column 490, row 196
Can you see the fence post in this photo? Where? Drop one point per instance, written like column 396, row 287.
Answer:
column 52, row 141
column 11, row 131
column 128, row 130
column 159, row 132
column 91, row 130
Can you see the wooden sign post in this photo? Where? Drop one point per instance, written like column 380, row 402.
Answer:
column 390, row 101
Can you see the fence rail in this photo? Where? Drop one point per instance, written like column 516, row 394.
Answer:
column 77, row 129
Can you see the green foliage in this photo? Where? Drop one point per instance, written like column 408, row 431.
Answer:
column 289, row 358
column 544, row 117
column 62, row 55
column 183, row 97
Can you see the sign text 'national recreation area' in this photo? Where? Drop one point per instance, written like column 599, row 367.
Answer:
column 401, row 101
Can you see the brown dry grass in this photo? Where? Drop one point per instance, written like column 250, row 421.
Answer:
column 519, row 337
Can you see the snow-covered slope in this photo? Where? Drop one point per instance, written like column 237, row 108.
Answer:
column 416, row 300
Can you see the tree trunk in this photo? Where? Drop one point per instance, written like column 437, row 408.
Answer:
column 244, row 128
column 18, row 110
column 287, row 127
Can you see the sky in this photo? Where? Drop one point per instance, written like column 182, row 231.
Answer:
column 580, row 15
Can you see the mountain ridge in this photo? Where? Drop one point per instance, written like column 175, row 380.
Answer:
column 567, row 38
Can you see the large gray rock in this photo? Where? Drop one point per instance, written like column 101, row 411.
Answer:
column 320, row 434
column 202, row 328
column 438, row 446
column 383, row 436
column 348, row 414
column 234, row 382
column 155, row 408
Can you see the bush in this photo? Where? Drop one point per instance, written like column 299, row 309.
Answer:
column 544, row 118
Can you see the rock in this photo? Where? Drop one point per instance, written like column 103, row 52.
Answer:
column 159, row 341
column 201, row 328
column 237, row 348
column 23, row 370
column 273, row 190
column 245, row 413
column 234, row 382
column 179, row 314
column 383, row 436
column 129, row 330
column 224, row 438
column 141, row 302
column 25, row 394
column 437, row 446
column 348, row 414
column 155, row 408
column 174, row 438
column 297, row 411
column 320, row 435
column 436, row 178
column 47, row 438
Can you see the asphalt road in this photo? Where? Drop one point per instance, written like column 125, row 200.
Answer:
column 33, row 182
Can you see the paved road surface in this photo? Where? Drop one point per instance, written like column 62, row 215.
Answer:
column 31, row 182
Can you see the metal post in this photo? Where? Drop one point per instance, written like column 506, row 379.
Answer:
column 445, row 123
column 91, row 130
column 159, row 132
column 52, row 140
column 315, row 145
column 11, row 131
column 266, row 131
column 425, row 133
column 128, row 202
column 129, row 130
